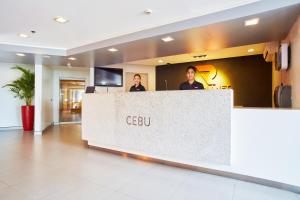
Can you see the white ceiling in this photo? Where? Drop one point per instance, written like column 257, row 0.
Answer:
column 210, row 55
column 94, row 20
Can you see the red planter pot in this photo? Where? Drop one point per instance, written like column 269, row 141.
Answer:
column 28, row 117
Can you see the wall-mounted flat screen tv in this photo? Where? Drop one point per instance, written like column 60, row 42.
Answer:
column 109, row 77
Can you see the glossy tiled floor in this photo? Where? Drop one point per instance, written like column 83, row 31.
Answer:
column 67, row 116
column 58, row 166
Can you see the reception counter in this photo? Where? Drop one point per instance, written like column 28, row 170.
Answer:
column 199, row 129
column 180, row 126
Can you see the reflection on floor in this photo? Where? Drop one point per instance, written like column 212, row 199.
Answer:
column 58, row 165
column 67, row 116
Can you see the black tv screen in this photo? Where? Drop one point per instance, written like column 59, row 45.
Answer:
column 109, row 77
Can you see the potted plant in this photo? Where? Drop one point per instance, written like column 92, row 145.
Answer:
column 23, row 88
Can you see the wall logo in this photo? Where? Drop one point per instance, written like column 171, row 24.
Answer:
column 138, row 121
column 211, row 77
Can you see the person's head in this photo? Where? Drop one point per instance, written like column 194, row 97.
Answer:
column 137, row 79
column 190, row 73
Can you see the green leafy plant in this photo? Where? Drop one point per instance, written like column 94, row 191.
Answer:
column 23, row 87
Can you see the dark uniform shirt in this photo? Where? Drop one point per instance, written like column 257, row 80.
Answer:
column 194, row 86
column 139, row 88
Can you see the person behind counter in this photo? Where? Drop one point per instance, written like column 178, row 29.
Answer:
column 137, row 87
column 191, row 83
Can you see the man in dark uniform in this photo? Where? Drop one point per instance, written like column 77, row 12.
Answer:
column 137, row 87
column 191, row 83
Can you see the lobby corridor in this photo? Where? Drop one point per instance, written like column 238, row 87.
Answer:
column 58, row 165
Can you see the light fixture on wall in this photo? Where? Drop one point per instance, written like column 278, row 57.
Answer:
column 252, row 22
column 160, row 61
column 251, row 50
column 20, row 54
column 167, row 39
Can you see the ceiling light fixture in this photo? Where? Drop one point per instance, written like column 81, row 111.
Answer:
column 167, row 39
column 148, row 11
column 20, row 54
column 113, row 50
column 160, row 61
column 46, row 56
column 251, row 50
column 72, row 58
column 23, row 35
column 252, row 22
column 61, row 20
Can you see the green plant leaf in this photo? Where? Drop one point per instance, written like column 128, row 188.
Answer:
column 23, row 87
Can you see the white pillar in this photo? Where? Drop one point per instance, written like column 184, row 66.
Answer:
column 38, row 99
column 92, row 69
column 43, row 98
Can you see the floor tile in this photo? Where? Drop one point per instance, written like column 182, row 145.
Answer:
column 169, row 173
column 11, row 194
column 202, row 186
column 119, row 196
column 89, row 191
column 59, row 166
column 3, row 185
column 249, row 191
column 150, row 187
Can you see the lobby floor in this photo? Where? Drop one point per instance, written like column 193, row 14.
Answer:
column 58, row 165
column 67, row 116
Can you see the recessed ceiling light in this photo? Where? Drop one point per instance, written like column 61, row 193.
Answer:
column 148, row 11
column 23, row 35
column 113, row 50
column 167, row 39
column 160, row 61
column 252, row 22
column 72, row 58
column 20, row 54
column 60, row 20
column 251, row 50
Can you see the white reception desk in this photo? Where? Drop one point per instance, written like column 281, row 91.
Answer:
column 198, row 128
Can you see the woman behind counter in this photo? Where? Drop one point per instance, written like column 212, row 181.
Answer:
column 191, row 83
column 137, row 87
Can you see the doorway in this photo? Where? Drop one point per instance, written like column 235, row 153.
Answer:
column 70, row 101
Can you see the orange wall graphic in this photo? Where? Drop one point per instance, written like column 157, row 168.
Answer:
column 212, row 78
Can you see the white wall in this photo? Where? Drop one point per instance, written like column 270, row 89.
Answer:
column 150, row 70
column 65, row 73
column 10, row 107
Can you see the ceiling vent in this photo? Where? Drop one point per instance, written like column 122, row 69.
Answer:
column 200, row 56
